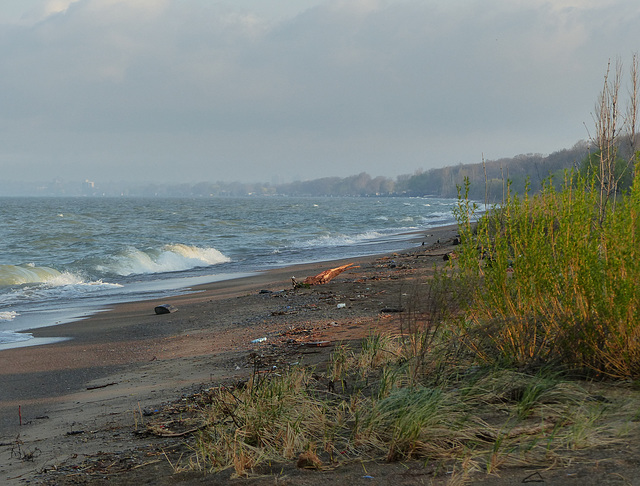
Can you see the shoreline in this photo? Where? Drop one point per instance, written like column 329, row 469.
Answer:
column 42, row 335
column 122, row 403
column 128, row 359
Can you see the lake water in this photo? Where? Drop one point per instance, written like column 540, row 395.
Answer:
column 65, row 258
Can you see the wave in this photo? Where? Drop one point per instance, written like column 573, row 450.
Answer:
column 43, row 277
column 338, row 240
column 26, row 274
column 64, row 286
column 170, row 258
column 436, row 218
column 7, row 337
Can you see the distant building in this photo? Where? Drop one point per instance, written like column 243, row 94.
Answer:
column 88, row 187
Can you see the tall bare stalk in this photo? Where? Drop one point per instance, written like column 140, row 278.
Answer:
column 610, row 127
column 632, row 113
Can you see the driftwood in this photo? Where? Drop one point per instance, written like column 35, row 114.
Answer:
column 326, row 276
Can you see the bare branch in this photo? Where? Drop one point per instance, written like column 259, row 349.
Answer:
column 611, row 128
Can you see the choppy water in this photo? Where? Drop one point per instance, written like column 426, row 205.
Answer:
column 64, row 258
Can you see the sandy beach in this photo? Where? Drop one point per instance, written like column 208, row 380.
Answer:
column 78, row 411
column 58, row 399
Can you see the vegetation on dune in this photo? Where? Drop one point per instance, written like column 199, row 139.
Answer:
column 369, row 406
column 554, row 285
column 486, row 368
column 556, row 281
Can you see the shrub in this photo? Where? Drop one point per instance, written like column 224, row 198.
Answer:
column 557, row 285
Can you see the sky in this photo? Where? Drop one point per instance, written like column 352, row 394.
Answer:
column 282, row 90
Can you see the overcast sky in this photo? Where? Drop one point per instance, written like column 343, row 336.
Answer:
column 257, row 90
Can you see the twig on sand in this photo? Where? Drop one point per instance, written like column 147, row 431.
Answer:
column 101, row 386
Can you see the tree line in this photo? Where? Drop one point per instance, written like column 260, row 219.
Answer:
column 488, row 180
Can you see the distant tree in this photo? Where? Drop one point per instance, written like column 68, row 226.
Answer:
column 533, row 169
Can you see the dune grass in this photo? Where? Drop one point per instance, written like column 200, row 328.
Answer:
column 478, row 419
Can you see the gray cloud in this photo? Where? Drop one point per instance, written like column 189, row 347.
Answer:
column 193, row 90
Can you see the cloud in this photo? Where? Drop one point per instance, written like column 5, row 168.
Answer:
column 56, row 6
column 102, row 87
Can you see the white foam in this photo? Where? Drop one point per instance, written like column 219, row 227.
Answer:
column 8, row 315
column 439, row 215
column 62, row 279
column 338, row 240
column 7, row 337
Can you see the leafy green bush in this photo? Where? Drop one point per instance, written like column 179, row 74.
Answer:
column 552, row 283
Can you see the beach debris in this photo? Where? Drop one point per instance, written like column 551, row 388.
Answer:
column 165, row 309
column 391, row 310
column 162, row 430
column 101, row 386
column 341, row 306
column 534, row 477
column 317, row 344
column 283, row 312
column 259, row 340
column 19, row 451
column 323, row 277
column 309, row 460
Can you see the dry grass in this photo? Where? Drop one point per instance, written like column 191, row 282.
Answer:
column 368, row 406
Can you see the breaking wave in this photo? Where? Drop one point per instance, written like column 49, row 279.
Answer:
column 170, row 258
column 26, row 274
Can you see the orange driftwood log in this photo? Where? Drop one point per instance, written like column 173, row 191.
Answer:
column 327, row 275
